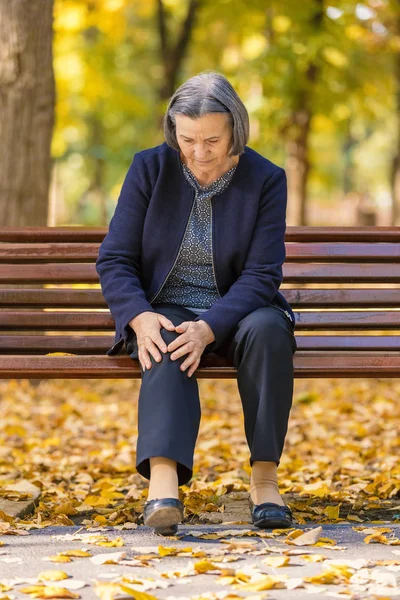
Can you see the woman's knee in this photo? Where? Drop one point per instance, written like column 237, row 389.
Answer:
column 264, row 322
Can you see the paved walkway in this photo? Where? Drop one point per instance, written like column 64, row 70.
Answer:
column 241, row 559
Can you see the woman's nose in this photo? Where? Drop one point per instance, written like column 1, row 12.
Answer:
column 200, row 152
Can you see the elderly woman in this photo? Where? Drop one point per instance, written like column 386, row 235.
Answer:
column 192, row 264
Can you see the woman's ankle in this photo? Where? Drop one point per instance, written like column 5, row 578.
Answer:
column 163, row 478
column 264, row 483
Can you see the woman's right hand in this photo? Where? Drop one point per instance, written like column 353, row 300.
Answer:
column 147, row 326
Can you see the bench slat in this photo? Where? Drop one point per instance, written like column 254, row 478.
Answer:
column 98, row 344
column 302, row 298
column 306, row 364
column 296, row 234
column 300, row 252
column 90, row 320
column 293, row 273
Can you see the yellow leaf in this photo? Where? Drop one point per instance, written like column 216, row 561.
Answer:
column 96, row 501
column 304, row 539
column 59, row 558
column 60, row 354
column 100, row 519
column 335, row 574
column 66, row 509
column 15, row 430
column 52, row 575
column 167, row 550
column 313, row 558
column 204, row 565
column 324, row 541
column 43, row 591
column 75, row 553
column 135, row 594
column 376, row 537
column 277, row 561
column 259, row 584
column 117, row 543
column 112, row 495
column 333, row 511
column 328, row 577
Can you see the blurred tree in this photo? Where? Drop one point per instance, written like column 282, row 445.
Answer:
column 117, row 63
column 172, row 54
column 390, row 16
column 27, row 98
column 317, row 79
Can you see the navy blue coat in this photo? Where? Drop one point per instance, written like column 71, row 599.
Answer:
column 147, row 229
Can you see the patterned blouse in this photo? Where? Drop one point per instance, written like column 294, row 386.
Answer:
column 191, row 283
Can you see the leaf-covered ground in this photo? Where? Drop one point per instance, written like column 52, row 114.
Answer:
column 76, row 439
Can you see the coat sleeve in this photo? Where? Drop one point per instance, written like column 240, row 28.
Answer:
column 118, row 262
column 261, row 276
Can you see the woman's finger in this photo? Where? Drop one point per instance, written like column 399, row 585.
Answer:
column 193, row 367
column 144, row 358
column 189, row 361
column 188, row 347
column 153, row 350
column 166, row 322
column 160, row 343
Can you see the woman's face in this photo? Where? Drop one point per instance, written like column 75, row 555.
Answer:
column 205, row 141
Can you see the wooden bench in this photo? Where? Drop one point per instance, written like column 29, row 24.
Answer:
column 343, row 285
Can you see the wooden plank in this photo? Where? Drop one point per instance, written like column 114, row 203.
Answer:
column 50, row 252
column 343, row 252
column 299, row 234
column 343, row 234
column 91, row 320
column 41, row 344
column 56, row 320
column 357, row 343
column 52, row 298
column 99, row 344
column 52, row 234
column 293, row 273
column 300, row 297
column 306, row 365
column 19, row 253
column 341, row 273
column 340, row 298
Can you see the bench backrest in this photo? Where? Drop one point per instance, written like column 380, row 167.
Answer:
column 342, row 283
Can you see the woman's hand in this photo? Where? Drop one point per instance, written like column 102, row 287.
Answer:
column 196, row 335
column 147, row 327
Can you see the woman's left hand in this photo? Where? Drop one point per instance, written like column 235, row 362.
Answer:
column 195, row 336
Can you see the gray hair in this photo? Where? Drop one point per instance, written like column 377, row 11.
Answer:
column 208, row 92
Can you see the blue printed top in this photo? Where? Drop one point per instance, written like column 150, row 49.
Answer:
column 191, row 283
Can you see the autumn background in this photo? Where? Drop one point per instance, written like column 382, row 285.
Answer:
column 321, row 82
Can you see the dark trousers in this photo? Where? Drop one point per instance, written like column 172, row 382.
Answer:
column 261, row 349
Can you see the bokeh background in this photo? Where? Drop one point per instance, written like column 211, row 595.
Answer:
column 92, row 79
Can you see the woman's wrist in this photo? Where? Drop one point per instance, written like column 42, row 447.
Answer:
column 207, row 328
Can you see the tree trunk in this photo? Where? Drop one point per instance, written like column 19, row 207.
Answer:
column 298, row 165
column 172, row 55
column 297, row 168
column 27, row 97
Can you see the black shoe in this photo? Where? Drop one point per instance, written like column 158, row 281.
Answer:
column 271, row 515
column 163, row 514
